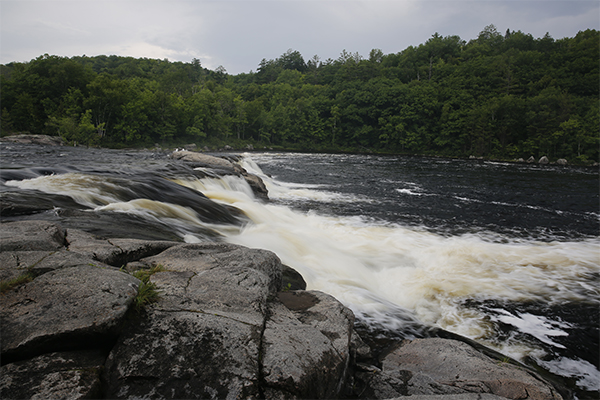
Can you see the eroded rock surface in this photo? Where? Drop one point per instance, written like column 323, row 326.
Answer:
column 437, row 366
column 66, row 375
column 221, row 328
column 226, row 335
column 63, row 309
column 31, row 236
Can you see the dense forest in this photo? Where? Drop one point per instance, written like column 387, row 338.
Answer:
column 500, row 96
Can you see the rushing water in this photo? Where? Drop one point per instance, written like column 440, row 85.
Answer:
column 506, row 254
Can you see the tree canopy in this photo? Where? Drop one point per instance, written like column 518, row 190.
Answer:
column 499, row 96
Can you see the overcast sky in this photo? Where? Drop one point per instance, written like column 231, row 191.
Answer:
column 238, row 34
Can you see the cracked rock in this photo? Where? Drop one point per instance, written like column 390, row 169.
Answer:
column 64, row 309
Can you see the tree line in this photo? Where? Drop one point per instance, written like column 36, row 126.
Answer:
column 500, row 96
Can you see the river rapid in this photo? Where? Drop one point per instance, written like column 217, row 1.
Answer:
column 505, row 254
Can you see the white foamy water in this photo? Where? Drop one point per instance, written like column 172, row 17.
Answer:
column 373, row 266
column 89, row 190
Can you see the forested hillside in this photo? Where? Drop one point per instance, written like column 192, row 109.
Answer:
column 500, row 95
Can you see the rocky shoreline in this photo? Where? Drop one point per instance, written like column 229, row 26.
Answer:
column 83, row 316
column 226, row 325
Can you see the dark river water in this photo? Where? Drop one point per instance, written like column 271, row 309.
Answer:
column 505, row 254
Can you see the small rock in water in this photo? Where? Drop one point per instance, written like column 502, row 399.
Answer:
column 561, row 161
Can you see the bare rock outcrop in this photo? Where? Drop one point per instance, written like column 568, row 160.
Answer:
column 62, row 375
column 31, row 236
column 64, row 309
column 222, row 327
column 438, row 366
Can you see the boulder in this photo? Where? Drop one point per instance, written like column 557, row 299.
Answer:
column 64, row 309
column 16, row 263
column 221, row 330
column 562, row 161
column 185, row 355
column 306, row 346
column 543, row 160
column 199, row 257
column 530, row 160
column 437, row 366
column 66, row 375
column 204, row 160
column 291, row 279
column 257, row 185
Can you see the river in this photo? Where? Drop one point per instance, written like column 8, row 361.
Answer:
column 506, row 254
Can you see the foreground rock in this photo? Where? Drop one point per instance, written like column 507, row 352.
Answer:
column 221, row 328
column 65, row 375
column 65, row 308
column 437, row 366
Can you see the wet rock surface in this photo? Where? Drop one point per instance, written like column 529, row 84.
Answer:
column 217, row 166
column 228, row 323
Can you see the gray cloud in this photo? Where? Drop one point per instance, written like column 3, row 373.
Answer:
column 238, row 34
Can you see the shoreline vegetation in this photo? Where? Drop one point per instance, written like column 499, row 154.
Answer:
column 500, row 97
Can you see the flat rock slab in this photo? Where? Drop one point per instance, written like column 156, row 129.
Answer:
column 443, row 366
column 34, row 139
column 115, row 252
column 64, row 309
column 240, row 294
column 31, row 236
column 35, row 263
column 66, row 375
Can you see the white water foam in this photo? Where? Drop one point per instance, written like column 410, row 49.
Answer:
column 537, row 326
column 373, row 267
column 283, row 191
column 88, row 190
column 585, row 374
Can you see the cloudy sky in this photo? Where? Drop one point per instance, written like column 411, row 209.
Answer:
column 238, row 34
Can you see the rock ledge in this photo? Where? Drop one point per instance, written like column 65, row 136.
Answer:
column 221, row 328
